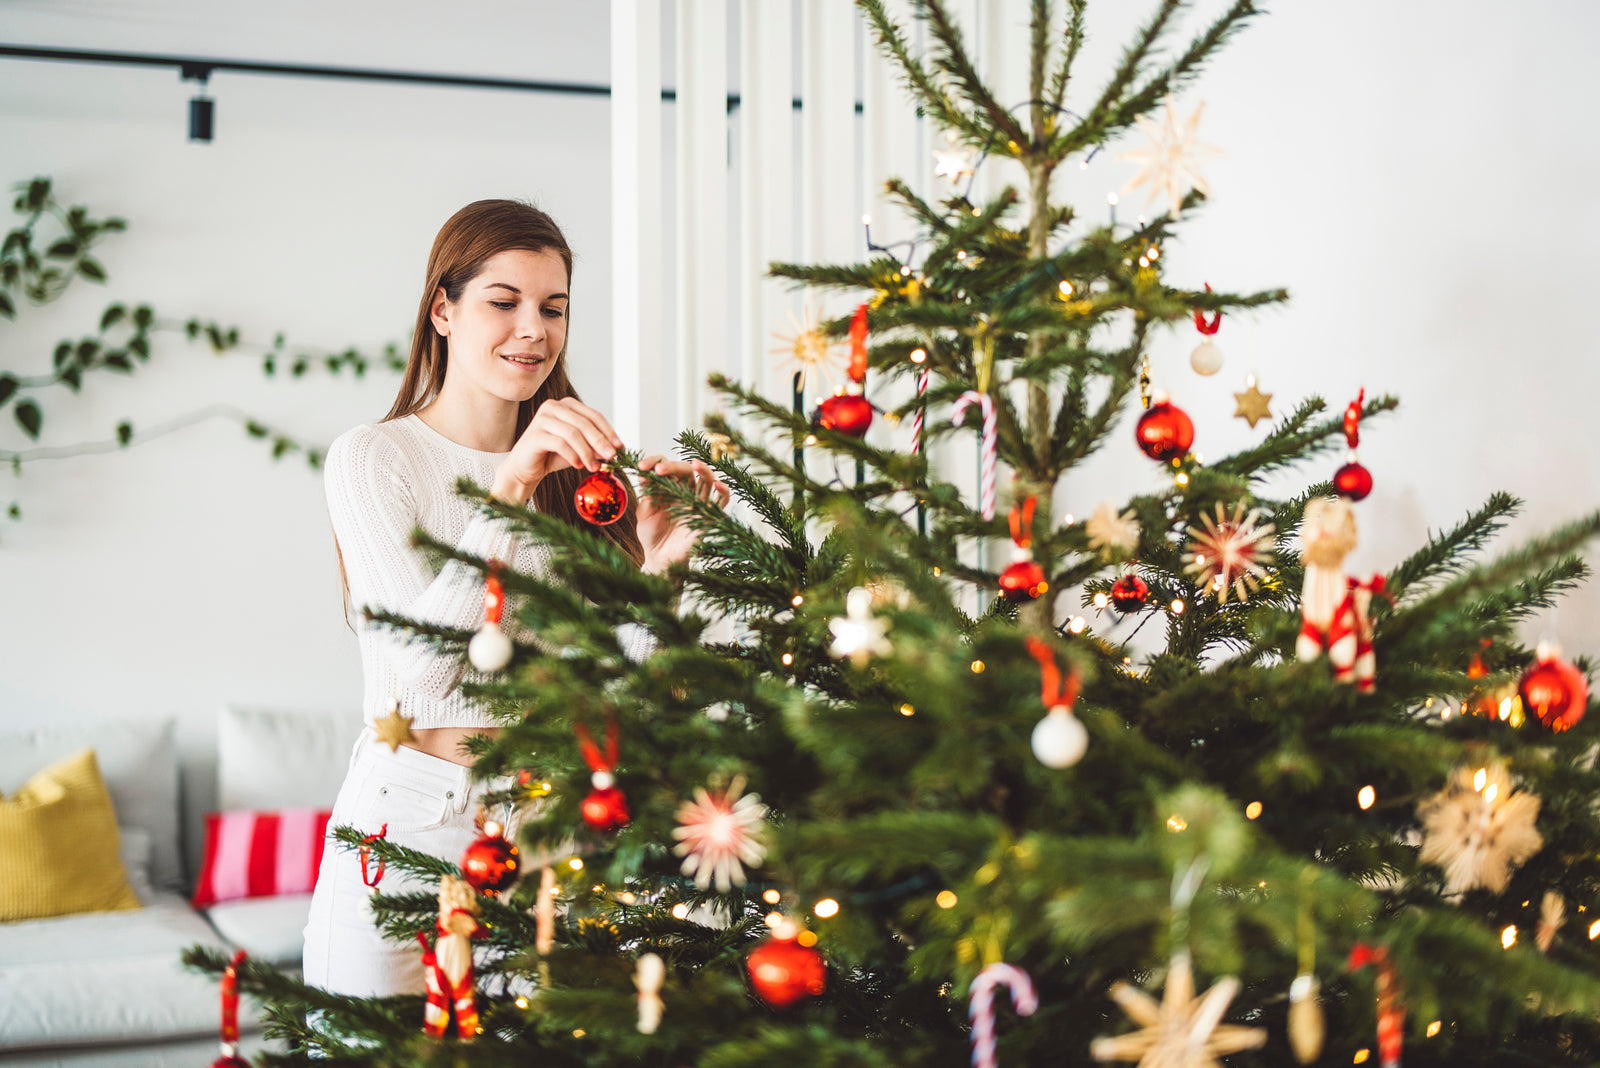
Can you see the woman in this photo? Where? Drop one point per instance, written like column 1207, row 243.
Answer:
column 486, row 397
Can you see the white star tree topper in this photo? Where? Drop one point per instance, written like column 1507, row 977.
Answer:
column 1171, row 162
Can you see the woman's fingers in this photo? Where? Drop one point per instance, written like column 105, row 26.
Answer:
column 579, row 431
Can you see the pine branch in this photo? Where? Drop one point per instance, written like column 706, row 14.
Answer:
column 954, row 61
column 934, row 100
column 1075, row 37
column 1443, row 551
column 1296, row 438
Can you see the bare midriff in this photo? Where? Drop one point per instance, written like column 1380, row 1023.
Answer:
column 446, row 742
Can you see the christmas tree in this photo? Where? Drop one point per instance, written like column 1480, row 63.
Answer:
column 1327, row 816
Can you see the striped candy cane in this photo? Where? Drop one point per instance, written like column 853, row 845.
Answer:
column 981, row 1010
column 916, row 417
column 990, row 445
column 1391, row 1014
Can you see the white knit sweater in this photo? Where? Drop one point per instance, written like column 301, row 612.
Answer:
column 382, row 481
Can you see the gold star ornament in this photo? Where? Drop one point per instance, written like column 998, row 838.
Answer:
column 1180, row 1031
column 1252, row 403
column 394, row 730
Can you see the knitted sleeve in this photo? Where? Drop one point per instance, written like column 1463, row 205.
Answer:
column 373, row 504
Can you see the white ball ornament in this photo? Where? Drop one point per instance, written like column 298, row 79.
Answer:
column 1059, row 740
column 1206, row 359
column 490, row 649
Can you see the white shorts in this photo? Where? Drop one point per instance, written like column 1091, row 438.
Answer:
column 430, row 805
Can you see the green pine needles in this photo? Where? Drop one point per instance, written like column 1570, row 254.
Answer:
column 1218, row 813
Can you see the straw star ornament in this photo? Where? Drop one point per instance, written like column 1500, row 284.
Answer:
column 1170, row 163
column 1179, row 1031
column 718, row 835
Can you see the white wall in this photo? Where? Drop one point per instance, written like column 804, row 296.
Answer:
column 1419, row 175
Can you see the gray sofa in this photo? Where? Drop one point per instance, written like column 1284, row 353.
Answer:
column 108, row 988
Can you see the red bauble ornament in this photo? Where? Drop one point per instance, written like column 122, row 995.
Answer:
column 490, row 864
column 1023, row 581
column 601, row 498
column 1165, row 432
column 1352, row 481
column 848, row 413
column 1554, row 690
column 783, row 971
column 1129, row 593
column 605, row 809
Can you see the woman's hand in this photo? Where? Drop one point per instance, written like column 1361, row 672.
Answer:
column 563, row 433
column 667, row 541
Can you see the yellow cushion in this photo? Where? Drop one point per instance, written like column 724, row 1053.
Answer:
column 58, row 845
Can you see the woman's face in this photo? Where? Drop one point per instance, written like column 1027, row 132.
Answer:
column 509, row 326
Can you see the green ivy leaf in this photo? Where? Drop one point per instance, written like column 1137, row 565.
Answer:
column 15, row 511
column 15, row 239
column 124, row 433
column 29, row 417
column 255, row 429
column 91, row 270
column 192, row 329
column 8, row 386
column 118, row 361
column 299, row 367
column 73, row 377
column 233, row 335
column 314, row 458
column 281, row 446
column 214, row 335
column 88, row 348
column 139, row 345
column 38, row 194
column 64, row 249
column 114, row 225
column 269, row 366
column 112, row 316
column 63, row 353
column 7, row 309
column 143, row 316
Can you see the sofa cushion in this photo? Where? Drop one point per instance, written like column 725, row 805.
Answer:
column 270, row 759
column 270, row 929
column 260, row 854
column 59, row 846
column 140, row 768
column 107, row 977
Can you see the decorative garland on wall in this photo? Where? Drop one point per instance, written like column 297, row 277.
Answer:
column 52, row 247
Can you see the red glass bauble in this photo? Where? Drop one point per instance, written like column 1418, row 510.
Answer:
column 1555, row 691
column 1023, row 581
column 1352, row 481
column 1165, row 432
column 601, row 498
column 490, row 864
column 605, row 810
column 783, row 971
column 1129, row 593
column 848, row 413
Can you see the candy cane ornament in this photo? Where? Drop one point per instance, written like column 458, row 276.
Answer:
column 229, row 1056
column 981, row 1010
column 1391, row 1014
column 991, row 441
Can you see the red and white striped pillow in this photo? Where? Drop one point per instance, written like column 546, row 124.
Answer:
column 260, row 854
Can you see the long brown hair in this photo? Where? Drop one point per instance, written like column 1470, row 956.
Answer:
column 467, row 241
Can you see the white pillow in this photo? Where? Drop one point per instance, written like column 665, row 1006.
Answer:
column 269, row 759
column 134, row 846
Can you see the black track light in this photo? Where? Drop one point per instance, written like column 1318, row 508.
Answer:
column 202, row 109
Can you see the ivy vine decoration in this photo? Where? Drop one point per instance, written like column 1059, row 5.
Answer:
column 51, row 247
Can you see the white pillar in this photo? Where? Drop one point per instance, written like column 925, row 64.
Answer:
column 702, row 166
column 637, row 361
